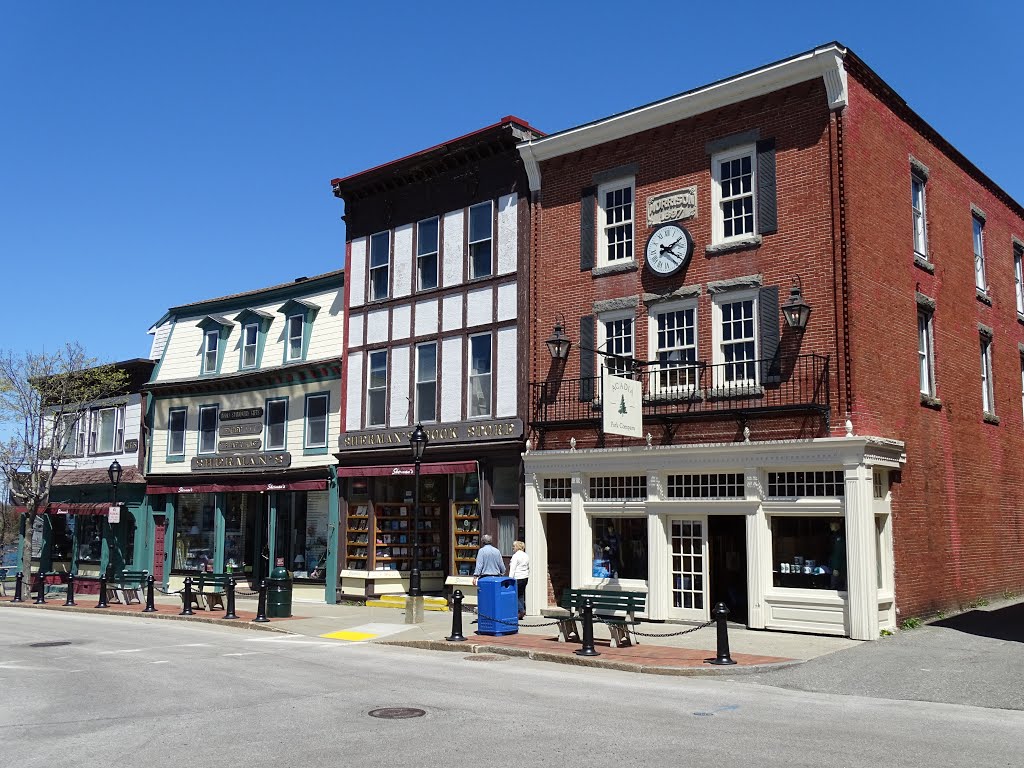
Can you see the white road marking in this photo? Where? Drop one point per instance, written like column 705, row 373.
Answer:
column 247, row 653
column 123, row 650
column 192, row 645
column 281, row 639
column 160, row 662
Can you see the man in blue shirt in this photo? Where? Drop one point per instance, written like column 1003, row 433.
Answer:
column 488, row 560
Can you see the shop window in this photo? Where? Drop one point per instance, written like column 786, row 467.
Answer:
column 791, row 485
column 557, row 489
column 465, row 487
column 193, row 532
column 62, row 529
column 707, row 486
column 618, row 487
column 505, row 488
column 90, row 538
column 809, row 552
column 302, row 533
column 620, row 547
column 240, row 513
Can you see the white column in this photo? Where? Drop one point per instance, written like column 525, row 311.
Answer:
column 759, row 552
column 537, row 547
column 659, row 572
column 579, row 540
column 861, row 579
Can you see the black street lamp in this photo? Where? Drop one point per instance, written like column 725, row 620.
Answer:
column 558, row 344
column 418, row 442
column 114, row 473
column 796, row 310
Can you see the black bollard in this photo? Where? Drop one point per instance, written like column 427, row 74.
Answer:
column 18, row 580
column 588, row 632
column 720, row 613
column 261, row 606
column 41, row 596
column 230, row 612
column 457, row 635
column 103, row 592
column 186, row 598
column 71, row 590
column 150, row 607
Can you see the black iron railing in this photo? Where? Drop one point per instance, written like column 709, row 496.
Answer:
column 681, row 390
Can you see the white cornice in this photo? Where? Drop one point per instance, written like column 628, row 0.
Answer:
column 825, row 62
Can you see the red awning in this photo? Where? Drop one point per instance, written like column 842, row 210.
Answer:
column 293, row 485
column 436, row 468
column 78, row 509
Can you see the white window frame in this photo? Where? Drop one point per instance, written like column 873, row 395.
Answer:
column 117, row 442
column 471, row 267
column 72, row 436
column 717, row 353
column 978, row 237
column 385, row 267
column 291, row 337
column 616, row 367
column 920, row 214
column 676, row 378
column 987, row 384
column 422, row 255
column 308, row 443
column 717, row 201
column 381, row 390
column 1018, row 276
column 487, row 376
column 171, row 431
column 211, row 351
column 268, row 442
column 603, row 258
column 201, row 449
column 926, row 351
column 248, row 348
column 425, row 378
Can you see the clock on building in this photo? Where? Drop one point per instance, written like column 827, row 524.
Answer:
column 668, row 249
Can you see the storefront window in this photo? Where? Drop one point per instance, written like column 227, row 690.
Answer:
column 240, row 512
column 302, row 533
column 465, row 486
column 193, row 532
column 620, row 547
column 393, row 489
column 90, row 538
column 809, row 552
column 62, row 529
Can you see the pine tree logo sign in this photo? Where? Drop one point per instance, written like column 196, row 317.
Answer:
column 623, row 414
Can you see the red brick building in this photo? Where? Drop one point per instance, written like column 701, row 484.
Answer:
column 830, row 478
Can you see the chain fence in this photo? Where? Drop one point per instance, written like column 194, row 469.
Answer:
column 598, row 619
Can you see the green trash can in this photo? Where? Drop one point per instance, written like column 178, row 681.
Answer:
column 279, row 594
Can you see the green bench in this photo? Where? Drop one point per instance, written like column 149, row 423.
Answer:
column 128, row 587
column 210, row 587
column 616, row 609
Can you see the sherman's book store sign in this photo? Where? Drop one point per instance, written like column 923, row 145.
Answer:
column 457, row 432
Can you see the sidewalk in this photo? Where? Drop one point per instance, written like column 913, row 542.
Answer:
column 680, row 655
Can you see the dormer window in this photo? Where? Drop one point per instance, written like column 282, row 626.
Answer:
column 250, row 335
column 215, row 334
column 299, row 316
column 294, row 351
column 210, row 348
column 255, row 325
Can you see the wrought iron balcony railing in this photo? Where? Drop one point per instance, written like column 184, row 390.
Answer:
column 674, row 390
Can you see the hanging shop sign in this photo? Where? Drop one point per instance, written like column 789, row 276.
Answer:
column 677, row 205
column 623, row 406
column 454, row 432
column 233, row 430
column 255, row 462
column 241, row 413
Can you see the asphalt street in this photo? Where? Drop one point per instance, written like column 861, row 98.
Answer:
column 94, row 690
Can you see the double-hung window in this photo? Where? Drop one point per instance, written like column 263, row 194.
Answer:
column 277, row 424
column 316, row 421
column 732, row 189
column 296, row 328
column 979, row 254
column 987, row 388
column 68, row 434
column 250, row 338
column 674, row 339
column 615, row 336
column 176, row 432
column 480, row 375
column 917, row 201
column 615, row 221
column 1018, row 276
column 377, row 389
column 426, row 254
column 211, row 349
column 107, row 430
column 481, row 240
column 380, row 260
column 208, row 429
column 426, row 382
column 925, row 352
column 735, row 340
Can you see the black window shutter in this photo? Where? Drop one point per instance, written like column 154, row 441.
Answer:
column 588, row 206
column 587, row 358
column 768, row 307
column 767, row 207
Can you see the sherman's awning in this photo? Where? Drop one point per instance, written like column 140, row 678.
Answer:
column 240, row 487
column 435, row 468
column 78, row 508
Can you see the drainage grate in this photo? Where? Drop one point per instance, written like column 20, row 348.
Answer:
column 396, row 713
column 49, row 644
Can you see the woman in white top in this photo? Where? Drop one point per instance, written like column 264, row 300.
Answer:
column 519, row 569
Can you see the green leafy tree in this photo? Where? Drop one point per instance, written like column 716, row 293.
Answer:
column 41, row 397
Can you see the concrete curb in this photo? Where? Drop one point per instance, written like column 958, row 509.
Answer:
column 585, row 661
column 238, row 623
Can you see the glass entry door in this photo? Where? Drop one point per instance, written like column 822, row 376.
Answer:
column 689, row 544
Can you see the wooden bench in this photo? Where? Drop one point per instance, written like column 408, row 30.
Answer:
column 209, row 587
column 128, row 587
column 607, row 605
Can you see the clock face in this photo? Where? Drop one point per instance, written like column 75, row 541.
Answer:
column 669, row 249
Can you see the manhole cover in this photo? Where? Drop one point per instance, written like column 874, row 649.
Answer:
column 49, row 644
column 396, row 713
column 486, row 657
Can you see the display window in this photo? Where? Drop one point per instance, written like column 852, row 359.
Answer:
column 620, row 547
column 809, row 552
column 302, row 533
column 193, row 533
column 90, row 538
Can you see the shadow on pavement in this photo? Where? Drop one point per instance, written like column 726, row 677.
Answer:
column 1001, row 624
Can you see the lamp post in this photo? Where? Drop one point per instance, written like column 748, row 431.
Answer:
column 114, row 473
column 418, row 442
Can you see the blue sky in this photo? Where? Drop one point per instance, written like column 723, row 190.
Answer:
column 153, row 154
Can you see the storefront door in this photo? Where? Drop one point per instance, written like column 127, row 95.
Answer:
column 689, row 546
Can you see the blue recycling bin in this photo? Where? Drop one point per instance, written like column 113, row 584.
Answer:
column 497, row 606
